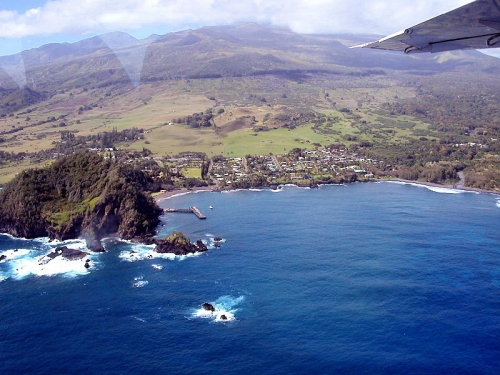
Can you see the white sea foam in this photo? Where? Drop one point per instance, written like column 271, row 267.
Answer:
column 179, row 194
column 157, row 266
column 232, row 191
column 31, row 265
column 22, row 263
column 140, row 283
column 323, row 185
column 224, row 306
column 48, row 241
column 498, row 202
column 435, row 189
column 13, row 254
column 210, row 242
column 143, row 252
column 445, row 190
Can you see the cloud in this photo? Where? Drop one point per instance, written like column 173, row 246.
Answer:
column 79, row 17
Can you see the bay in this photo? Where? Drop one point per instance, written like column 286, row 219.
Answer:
column 376, row 278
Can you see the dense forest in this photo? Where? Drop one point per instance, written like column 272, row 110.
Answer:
column 79, row 195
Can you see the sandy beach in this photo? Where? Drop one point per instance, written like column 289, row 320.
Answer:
column 169, row 194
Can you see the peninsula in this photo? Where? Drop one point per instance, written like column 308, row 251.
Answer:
column 82, row 195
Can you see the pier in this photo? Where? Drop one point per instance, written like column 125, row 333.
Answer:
column 190, row 210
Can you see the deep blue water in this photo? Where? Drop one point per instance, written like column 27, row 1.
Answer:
column 358, row 279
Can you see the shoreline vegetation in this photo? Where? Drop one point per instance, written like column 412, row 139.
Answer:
column 80, row 196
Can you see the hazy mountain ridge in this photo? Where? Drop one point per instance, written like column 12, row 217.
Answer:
column 238, row 50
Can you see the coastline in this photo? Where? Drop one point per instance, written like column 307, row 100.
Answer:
column 174, row 193
column 454, row 187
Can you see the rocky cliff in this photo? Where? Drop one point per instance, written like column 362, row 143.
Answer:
column 82, row 195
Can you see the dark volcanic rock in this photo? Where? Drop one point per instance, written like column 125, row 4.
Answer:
column 94, row 245
column 3, row 257
column 208, row 307
column 70, row 254
column 178, row 244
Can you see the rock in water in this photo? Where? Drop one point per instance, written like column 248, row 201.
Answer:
column 65, row 252
column 178, row 244
column 208, row 307
column 94, row 245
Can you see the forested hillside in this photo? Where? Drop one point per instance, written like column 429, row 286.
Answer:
column 80, row 195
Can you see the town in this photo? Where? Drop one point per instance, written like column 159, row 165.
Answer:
column 301, row 167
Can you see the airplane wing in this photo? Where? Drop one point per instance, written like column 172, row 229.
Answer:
column 472, row 26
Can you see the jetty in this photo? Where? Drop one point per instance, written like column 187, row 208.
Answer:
column 190, row 210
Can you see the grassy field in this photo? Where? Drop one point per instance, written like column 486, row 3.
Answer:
column 192, row 172
column 9, row 171
column 247, row 102
column 277, row 141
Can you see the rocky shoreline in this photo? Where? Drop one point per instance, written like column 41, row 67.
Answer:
column 179, row 245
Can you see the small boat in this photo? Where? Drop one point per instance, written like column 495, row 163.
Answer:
column 210, row 207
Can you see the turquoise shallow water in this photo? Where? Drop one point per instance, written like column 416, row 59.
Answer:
column 358, row 279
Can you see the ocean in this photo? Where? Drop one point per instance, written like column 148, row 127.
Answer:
column 375, row 278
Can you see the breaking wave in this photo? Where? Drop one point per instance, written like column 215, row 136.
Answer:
column 435, row 189
column 139, row 252
column 139, row 282
column 143, row 252
column 30, row 258
column 225, row 307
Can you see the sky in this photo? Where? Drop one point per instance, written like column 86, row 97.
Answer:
column 26, row 24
